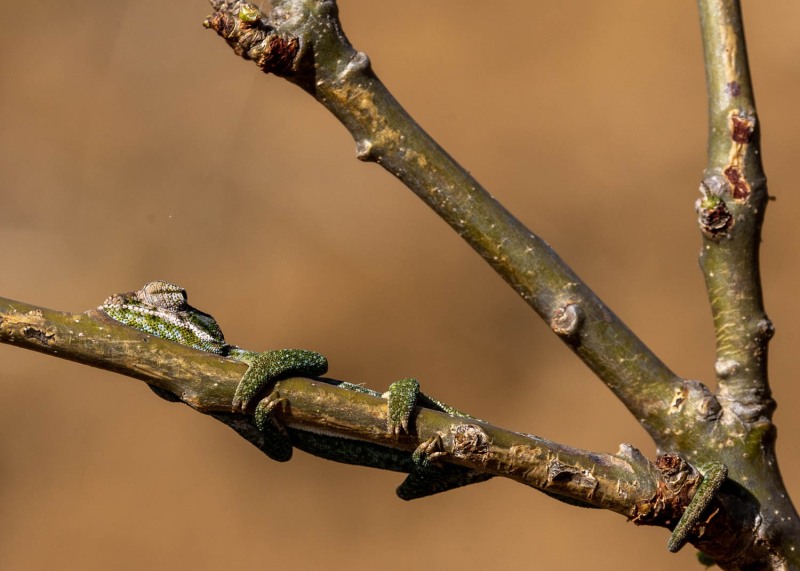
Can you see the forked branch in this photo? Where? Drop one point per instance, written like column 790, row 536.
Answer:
column 302, row 41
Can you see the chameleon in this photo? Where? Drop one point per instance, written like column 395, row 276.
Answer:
column 161, row 309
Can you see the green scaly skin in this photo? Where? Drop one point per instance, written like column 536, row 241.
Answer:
column 161, row 309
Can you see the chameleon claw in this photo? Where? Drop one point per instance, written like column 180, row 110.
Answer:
column 278, row 445
column 265, row 412
column 427, row 452
column 430, row 477
column 236, row 405
column 402, row 396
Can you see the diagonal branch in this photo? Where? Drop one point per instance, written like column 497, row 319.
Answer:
column 302, row 40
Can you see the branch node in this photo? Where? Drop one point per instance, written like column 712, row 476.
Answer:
column 567, row 320
column 766, row 329
column 246, row 29
column 726, row 368
column 359, row 63
column 698, row 398
column 469, row 440
column 713, row 216
column 364, row 150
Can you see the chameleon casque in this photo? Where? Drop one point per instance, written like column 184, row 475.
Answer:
column 161, row 309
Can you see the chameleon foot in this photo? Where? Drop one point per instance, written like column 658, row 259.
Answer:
column 273, row 365
column 402, row 396
column 426, row 453
column 277, row 444
column 428, row 477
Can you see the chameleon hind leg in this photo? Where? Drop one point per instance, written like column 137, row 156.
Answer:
column 277, row 444
column 426, row 477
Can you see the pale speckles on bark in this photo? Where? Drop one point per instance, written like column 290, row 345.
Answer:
column 381, row 136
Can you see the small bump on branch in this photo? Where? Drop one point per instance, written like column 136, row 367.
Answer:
column 248, row 32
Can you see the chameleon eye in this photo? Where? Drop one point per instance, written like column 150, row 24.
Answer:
column 164, row 294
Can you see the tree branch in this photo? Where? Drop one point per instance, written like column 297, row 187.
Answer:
column 731, row 213
column 625, row 482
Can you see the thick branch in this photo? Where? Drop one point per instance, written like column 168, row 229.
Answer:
column 625, row 482
column 302, row 40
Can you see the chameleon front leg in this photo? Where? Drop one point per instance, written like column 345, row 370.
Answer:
column 426, row 476
column 265, row 368
column 269, row 366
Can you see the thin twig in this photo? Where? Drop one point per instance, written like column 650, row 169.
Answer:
column 731, row 213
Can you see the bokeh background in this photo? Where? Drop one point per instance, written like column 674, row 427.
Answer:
column 135, row 146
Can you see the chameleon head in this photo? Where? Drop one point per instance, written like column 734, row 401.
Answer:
column 160, row 308
column 165, row 295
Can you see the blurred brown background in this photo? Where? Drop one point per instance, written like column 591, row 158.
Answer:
column 134, row 145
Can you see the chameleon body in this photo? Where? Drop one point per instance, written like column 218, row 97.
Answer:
column 161, row 309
